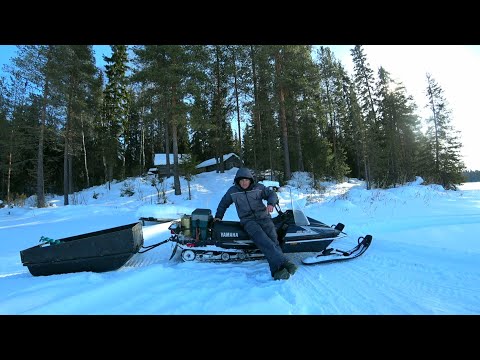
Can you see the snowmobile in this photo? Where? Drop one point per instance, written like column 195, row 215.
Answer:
column 200, row 238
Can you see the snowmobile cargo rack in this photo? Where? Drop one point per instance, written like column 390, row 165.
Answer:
column 98, row 251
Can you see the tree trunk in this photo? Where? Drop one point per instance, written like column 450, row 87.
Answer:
column 85, row 164
column 9, row 198
column 142, row 161
column 66, row 152
column 176, row 177
column 167, row 143
column 124, row 151
column 257, row 125
column 220, row 164
column 332, row 126
column 298, row 141
column 65, row 169
column 70, row 174
column 238, row 106
column 40, row 174
column 105, row 170
column 283, row 118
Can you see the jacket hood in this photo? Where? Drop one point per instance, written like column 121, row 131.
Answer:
column 243, row 173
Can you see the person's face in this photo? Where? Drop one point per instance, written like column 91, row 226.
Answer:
column 244, row 183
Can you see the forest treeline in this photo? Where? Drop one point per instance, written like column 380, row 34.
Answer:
column 65, row 124
column 472, row 175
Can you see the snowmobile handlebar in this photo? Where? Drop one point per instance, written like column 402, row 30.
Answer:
column 277, row 207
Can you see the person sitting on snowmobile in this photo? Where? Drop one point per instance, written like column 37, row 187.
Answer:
column 248, row 197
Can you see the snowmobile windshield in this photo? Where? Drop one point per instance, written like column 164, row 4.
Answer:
column 300, row 218
column 298, row 215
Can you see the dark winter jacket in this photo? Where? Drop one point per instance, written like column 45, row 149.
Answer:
column 248, row 202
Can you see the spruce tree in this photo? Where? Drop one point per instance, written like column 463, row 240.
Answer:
column 443, row 139
column 365, row 81
column 115, row 111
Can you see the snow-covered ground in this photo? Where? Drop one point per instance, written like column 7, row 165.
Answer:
column 423, row 258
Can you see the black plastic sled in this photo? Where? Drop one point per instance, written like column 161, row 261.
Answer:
column 98, row 251
column 199, row 238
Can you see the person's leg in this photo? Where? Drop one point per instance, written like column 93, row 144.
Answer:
column 269, row 227
column 269, row 248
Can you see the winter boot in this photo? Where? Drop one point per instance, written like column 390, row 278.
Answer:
column 291, row 267
column 281, row 274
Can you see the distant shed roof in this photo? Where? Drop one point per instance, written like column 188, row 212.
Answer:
column 161, row 159
column 212, row 161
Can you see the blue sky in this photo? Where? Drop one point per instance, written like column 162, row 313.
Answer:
column 9, row 51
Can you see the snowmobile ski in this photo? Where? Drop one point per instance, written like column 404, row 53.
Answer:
column 334, row 255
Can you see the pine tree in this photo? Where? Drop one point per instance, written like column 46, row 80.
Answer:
column 34, row 64
column 115, row 114
column 364, row 81
column 279, row 56
column 443, row 139
column 165, row 71
column 336, row 113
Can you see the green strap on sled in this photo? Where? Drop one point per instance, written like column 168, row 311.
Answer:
column 49, row 241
